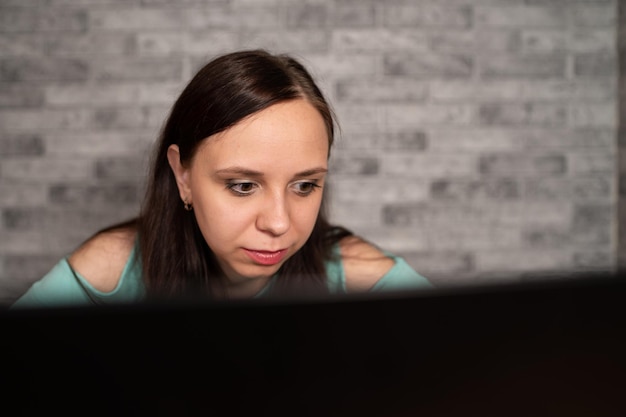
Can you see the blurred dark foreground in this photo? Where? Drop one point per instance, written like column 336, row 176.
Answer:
column 555, row 348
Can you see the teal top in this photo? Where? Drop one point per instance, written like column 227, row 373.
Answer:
column 64, row 286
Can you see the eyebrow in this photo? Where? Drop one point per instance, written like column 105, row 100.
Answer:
column 251, row 173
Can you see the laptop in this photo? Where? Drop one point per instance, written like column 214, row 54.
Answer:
column 552, row 348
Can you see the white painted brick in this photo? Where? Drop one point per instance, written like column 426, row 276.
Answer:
column 341, row 65
column 23, row 44
column 23, row 194
column 232, row 19
column 547, row 40
column 22, row 243
column 159, row 44
column 209, row 42
column 593, row 15
column 427, row 165
column 430, row 15
column 473, row 140
column 286, row 41
column 453, row 40
column 144, row 69
column 46, row 170
column 539, row 260
column 72, row 94
column 380, row 90
column 131, row 19
column 38, row 120
column 498, row 40
column 428, row 114
column 98, row 144
column 378, row 40
column 593, row 114
column 464, row 91
column 586, row 138
column 355, row 214
column 91, row 44
column 520, row 16
column 592, row 40
column 581, row 89
column 597, row 162
column 377, row 190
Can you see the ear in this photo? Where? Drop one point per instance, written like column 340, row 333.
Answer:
column 181, row 173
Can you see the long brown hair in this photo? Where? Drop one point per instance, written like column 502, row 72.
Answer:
column 175, row 258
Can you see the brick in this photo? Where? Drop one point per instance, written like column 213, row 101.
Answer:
column 542, row 41
column 144, row 69
column 453, row 41
column 376, row 190
column 97, row 195
column 98, row 144
column 161, row 93
column 499, row 40
column 12, row 96
column 474, row 140
column 523, row 164
column 528, row 66
column 464, row 91
column 27, row 170
column 355, row 215
column 592, row 162
column 21, row 145
column 426, row 165
column 22, row 242
column 586, row 189
column 593, row 115
column 43, row 20
column 580, row 89
column 591, row 40
column 28, row 267
column 297, row 40
column 591, row 217
column 184, row 3
column 229, row 18
column 121, row 168
column 380, row 90
column 594, row 260
column 355, row 165
column 210, row 42
column 545, row 114
column 428, row 114
column 341, row 65
column 118, row 118
column 80, row 94
column 51, row 69
column 440, row 264
column 519, row 16
column 159, row 44
column 354, row 15
column 428, row 16
column 91, row 44
column 358, row 113
column 132, row 19
column 23, row 194
column 30, row 120
column 429, row 65
column 307, row 15
column 578, row 138
column 379, row 40
column 593, row 16
column 469, row 190
column 408, row 140
column 542, row 260
column 595, row 65
column 22, row 44
column 26, row 219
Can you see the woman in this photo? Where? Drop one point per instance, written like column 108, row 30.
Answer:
column 234, row 206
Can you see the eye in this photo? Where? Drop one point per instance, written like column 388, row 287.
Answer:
column 305, row 188
column 241, row 188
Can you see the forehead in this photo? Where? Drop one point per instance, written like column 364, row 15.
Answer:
column 287, row 131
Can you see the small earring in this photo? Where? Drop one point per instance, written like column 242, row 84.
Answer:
column 187, row 205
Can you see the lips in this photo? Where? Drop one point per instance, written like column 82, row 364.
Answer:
column 264, row 257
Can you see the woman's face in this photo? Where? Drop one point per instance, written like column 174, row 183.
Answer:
column 256, row 189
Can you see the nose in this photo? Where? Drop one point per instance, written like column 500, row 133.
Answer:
column 273, row 216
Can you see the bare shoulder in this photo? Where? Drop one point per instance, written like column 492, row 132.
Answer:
column 102, row 258
column 364, row 264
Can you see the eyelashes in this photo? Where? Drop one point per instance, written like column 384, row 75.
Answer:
column 245, row 188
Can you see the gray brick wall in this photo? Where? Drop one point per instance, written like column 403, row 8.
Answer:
column 478, row 136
